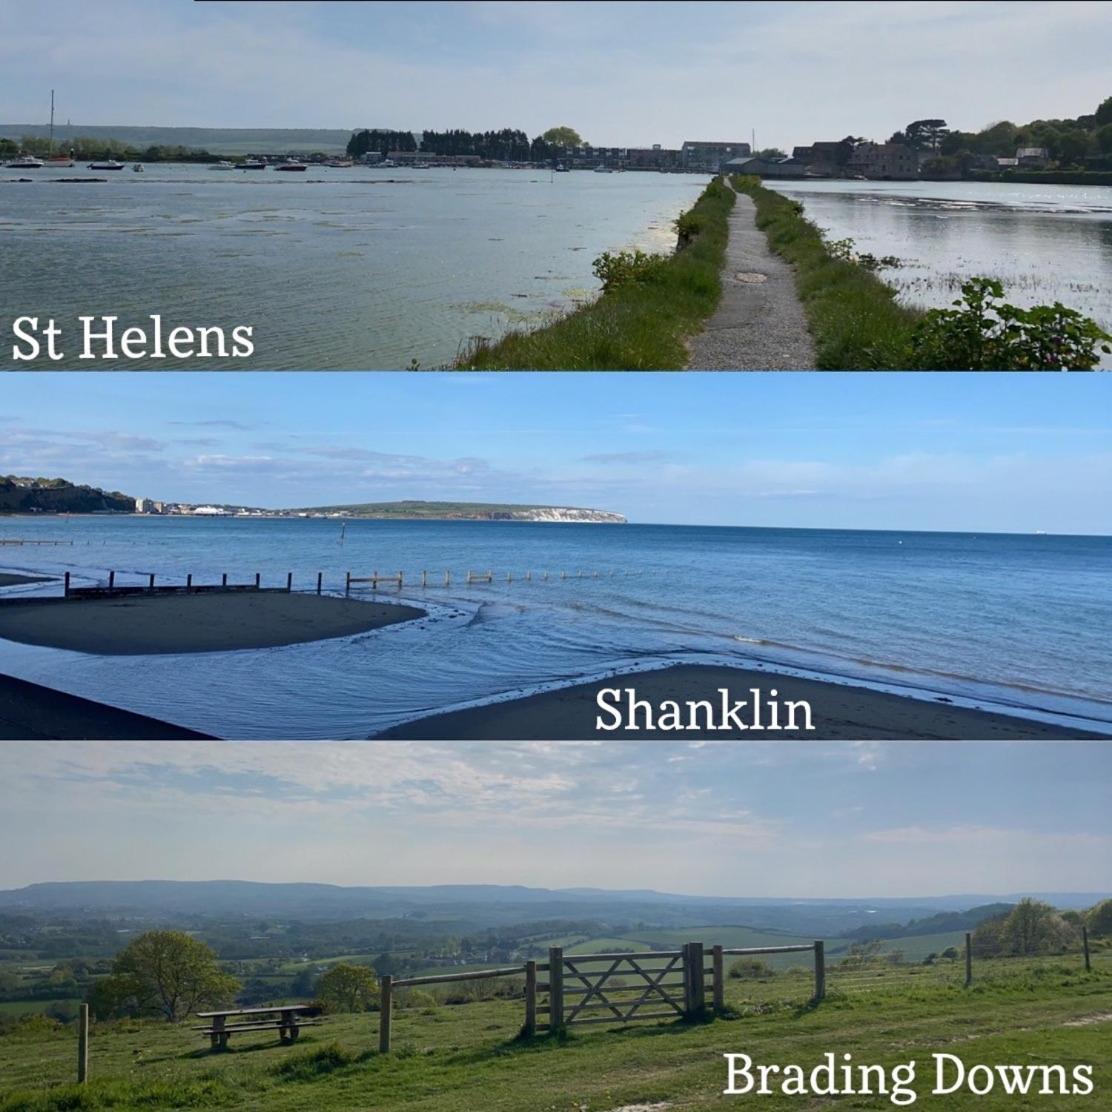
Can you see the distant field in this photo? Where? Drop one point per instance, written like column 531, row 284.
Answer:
column 458, row 1059
column 218, row 140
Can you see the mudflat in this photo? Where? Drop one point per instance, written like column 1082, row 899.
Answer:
column 31, row 712
column 839, row 713
column 10, row 579
column 133, row 625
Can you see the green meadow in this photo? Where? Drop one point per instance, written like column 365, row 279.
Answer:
column 467, row 1057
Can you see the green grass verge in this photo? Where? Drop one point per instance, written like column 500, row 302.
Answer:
column 854, row 318
column 638, row 326
column 457, row 1059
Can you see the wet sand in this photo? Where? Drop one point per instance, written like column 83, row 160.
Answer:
column 134, row 625
column 839, row 713
column 29, row 712
column 10, row 579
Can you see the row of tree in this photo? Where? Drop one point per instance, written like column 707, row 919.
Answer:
column 504, row 145
column 1034, row 929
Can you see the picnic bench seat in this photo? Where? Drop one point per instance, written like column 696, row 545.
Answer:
column 286, row 1019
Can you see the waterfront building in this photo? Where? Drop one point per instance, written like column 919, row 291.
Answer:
column 885, row 161
column 709, row 157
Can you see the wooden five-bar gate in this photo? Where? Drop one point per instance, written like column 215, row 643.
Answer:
column 615, row 988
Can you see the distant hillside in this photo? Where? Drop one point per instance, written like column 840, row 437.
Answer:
column 933, row 924
column 218, row 140
column 467, row 511
column 20, row 494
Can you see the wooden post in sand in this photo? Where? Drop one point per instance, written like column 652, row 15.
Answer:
column 289, row 582
column 386, row 987
column 224, row 580
column 111, row 580
column 258, row 580
column 189, row 584
column 320, row 580
column 66, row 586
column 83, row 1045
column 150, row 582
column 347, row 584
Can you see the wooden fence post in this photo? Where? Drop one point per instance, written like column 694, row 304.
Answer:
column 189, row 583
column 224, row 580
column 150, row 582
column 555, row 988
column 258, row 580
column 719, row 979
column 347, row 584
column 83, row 1045
column 1085, row 948
column 320, row 580
column 530, row 1028
column 111, row 580
column 386, row 986
column 698, row 979
column 820, row 970
column 968, row 959
column 289, row 582
column 66, row 586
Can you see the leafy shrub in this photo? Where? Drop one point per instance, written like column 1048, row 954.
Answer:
column 316, row 1063
column 751, row 969
column 621, row 268
column 984, row 333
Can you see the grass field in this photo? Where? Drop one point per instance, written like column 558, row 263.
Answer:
column 452, row 1059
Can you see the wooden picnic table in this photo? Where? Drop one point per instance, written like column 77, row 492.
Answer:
column 287, row 1019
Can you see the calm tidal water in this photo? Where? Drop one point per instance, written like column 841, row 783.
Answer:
column 998, row 620
column 1046, row 243
column 341, row 269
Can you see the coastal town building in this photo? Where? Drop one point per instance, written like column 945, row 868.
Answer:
column 768, row 167
column 1034, row 158
column 709, row 157
column 885, row 161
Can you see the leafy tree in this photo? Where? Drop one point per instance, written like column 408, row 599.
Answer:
column 771, row 153
column 1072, row 146
column 166, row 973
column 1103, row 114
column 563, row 137
column 347, row 988
column 751, row 969
column 925, row 134
column 1099, row 918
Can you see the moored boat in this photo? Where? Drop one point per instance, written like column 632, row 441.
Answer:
column 26, row 162
column 61, row 161
column 223, row 164
column 340, row 163
column 251, row 164
column 111, row 164
column 292, row 166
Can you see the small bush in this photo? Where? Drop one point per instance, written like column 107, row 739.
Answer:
column 751, row 969
column 984, row 333
column 620, row 268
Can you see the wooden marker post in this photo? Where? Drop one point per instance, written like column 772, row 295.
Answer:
column 719, row 964
column 555, row 989
column 150, row 582
column 820, row 970
column 320, row 580
column 530, row 1027
column 386, row 992
column 347, row 584
column 83, row 1045
column 111, row 580
column 1085, row 949
column 189, row 583
column 258, row 580
column 224, row 580
column 289, row 582
column 66, row 586
column 968, row 959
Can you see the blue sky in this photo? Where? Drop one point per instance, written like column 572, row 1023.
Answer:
column 622, row 73
column 723, row 819
column 1008, row 453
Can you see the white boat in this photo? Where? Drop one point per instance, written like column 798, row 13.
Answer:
column 251, row 164
column 340, row 163
column 111, row 164
column 26, row 162
column 223, row 164
column 600, row 169
column 138, row 168
column 292, row 166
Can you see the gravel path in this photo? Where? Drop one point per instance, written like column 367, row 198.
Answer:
column 759, row 324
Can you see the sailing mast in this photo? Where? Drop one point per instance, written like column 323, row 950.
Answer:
column 51, row 121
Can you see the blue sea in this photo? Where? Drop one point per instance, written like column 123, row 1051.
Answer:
column 1008, row 622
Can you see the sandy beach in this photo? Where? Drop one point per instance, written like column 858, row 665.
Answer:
column 135, row 625
column 840, row 713
column 10, row 579
column 30, row 712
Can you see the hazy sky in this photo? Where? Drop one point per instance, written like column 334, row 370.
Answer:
column 622, row 73
column 1008, row 453
column 725, row 819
